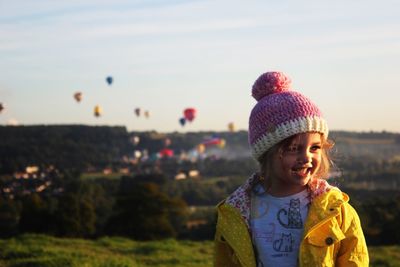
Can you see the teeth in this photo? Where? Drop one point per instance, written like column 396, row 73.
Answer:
column 302, row 170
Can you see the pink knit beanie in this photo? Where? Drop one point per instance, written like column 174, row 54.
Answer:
column 280, row 113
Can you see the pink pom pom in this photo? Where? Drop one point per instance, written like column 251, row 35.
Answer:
column 270, row 83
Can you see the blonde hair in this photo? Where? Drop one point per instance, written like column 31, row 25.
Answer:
column 266, row 162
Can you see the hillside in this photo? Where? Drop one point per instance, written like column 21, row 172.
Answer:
column 90, row 182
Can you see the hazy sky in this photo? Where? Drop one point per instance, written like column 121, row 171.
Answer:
column 169, row 55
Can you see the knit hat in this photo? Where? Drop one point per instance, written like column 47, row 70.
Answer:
column 280, row 113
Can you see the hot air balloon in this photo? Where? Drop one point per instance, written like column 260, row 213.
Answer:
column 231, row 127
column 214, row 141
column 97, row 111
column 135, row 140
column 201, row 148
column 147, row 114
column 137, row 112
column 109, row 80
column 137, row 154
column 182, row 121
column 166, row 153
column 189, row 114
column 78, row 96
column 1, row 107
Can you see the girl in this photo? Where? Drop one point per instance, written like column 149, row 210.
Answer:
column 287, row 214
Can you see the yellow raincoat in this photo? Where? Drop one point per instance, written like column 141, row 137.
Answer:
column 332, row 235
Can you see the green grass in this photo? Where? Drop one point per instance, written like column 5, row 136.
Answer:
column 45, row 251
column 39, row 250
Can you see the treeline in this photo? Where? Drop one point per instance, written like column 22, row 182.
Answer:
column 379, row 212
column 83, row 147
column 130, row 207
column 65, row 146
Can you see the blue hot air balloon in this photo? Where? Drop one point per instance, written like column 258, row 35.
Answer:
column 109, row 80
column 182, row 121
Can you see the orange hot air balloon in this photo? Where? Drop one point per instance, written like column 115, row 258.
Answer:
column 189, row 114
column 78, row 96
column 201, row 148
column 97, row 111
column 147, row 114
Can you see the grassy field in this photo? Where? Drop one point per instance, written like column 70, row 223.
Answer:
column 44, row 251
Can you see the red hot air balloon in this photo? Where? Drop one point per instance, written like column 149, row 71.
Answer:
column 189, row 114
column 166, row 153
column 214, row 141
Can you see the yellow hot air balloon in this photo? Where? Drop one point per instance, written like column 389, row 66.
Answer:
column 78, row 96
column 222, row 143
column 231, row 127
column 97, row 111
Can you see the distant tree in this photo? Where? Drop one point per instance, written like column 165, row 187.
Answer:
column 75, row 216
column 76, row 211
column 9, row 217
column 143, row 212
column 380, row 218
column 35, row 215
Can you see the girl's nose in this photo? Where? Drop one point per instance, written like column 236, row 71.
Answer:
column 304, row 157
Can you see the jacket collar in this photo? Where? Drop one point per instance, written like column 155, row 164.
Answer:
column 241, row 197
column 324, row 207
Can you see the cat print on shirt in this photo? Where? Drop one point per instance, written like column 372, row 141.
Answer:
column 284, row 244
column 293, row 216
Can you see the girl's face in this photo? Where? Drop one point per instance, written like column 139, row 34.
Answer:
column 295, row 164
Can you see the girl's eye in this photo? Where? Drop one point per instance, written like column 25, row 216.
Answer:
column 315, row 148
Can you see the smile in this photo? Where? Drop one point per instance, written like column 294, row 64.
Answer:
column 303, row 172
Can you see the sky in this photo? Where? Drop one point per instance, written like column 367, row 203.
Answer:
column 165, row 56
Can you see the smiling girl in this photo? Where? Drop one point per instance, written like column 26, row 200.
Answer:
column 287, row 214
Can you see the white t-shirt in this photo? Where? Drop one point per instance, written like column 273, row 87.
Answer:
column 277, row 227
